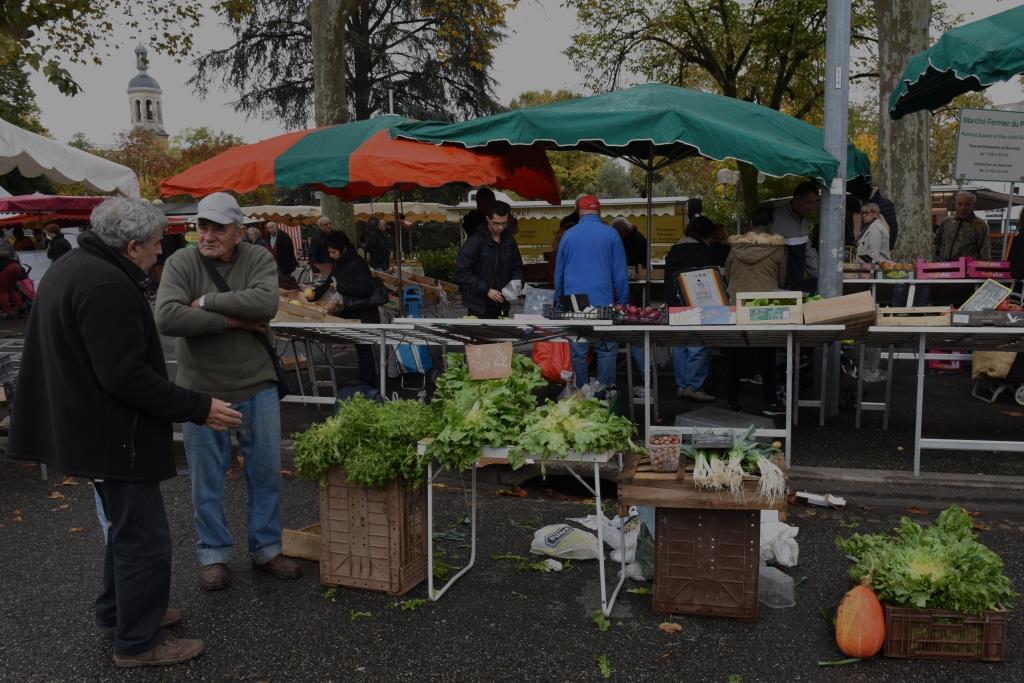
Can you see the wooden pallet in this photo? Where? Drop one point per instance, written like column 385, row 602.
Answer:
column 639, row 484
column 915, row 316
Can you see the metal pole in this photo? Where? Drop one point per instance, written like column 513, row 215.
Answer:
column 831, row 233
column 398, row 257
column 919, row 408
column 1006, row 223
column 650, row 229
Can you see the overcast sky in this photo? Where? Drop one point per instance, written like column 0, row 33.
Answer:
column 530, row 59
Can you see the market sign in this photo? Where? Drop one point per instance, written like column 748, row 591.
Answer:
column 990, row 145
column 489, row 361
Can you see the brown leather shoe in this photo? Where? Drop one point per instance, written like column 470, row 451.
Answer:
column 282, row 567
column 214, row 577
column 171, row 651
column 172, row 618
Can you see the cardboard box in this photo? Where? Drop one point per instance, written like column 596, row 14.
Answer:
column 791, row 314
column 303, row 544
column 841, row 310
column 702, row 315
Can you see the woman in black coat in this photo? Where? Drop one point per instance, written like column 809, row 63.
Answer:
column 489, row 262
column 351, row 278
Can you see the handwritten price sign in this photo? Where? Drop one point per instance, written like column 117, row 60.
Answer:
column 489, row 361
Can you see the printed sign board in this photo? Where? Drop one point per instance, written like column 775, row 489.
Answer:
column 990, row 145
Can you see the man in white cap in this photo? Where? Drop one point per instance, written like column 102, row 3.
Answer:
column 218, row 299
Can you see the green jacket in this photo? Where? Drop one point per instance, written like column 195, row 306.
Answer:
column 230, row 364
column 956, row 238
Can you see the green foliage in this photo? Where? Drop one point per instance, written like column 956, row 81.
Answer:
column 938, row 567
column 601, row 621
column 478, row 413
column 356, row 615
column 439, row 263
column 574, row 424
column 410, row 605
column 603, row 666
column 374, row 443
column 614, row 181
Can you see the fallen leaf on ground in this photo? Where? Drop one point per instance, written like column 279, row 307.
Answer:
column 516, row 492
column 666, row 655
column 670, row 627
column 60, row 507
column 920, row 512
column 899, row 448
column 16, row 519
column 75, row 530
column 69, row 481
column 979, row 526
column 440, row 486
column 1013, row 413
column 55, row 495
column 639, row 590
column 972, row 513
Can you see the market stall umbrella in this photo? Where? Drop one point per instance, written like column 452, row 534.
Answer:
column 34, row 155
column 647, row 121
column 292, row 215
column 44, row 203
column 967, row 58
column 360, row 160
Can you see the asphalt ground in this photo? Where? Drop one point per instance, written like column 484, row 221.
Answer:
column 496, row 624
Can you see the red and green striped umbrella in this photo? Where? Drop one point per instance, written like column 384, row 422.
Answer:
column 360, row 160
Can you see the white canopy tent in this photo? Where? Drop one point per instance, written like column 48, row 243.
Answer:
column 34, row 155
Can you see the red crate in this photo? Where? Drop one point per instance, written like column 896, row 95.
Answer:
column 942, row 270
column 999, row 270
column 943, row 634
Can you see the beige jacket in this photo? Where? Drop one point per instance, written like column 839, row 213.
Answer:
column 756, row 263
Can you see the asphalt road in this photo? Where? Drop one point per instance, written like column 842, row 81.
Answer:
column 497, row 624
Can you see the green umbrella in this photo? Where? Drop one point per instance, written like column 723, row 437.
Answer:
column 969, row 57
column 653, row 120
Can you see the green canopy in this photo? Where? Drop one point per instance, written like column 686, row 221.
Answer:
column 651, row 120
column 969, row 57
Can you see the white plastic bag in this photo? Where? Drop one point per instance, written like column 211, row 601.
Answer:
column 610, row 530
column 565, row 542
column 778, row 543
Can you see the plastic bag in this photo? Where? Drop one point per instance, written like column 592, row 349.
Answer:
column 554, row 361
column 565, row 542
column 778, row 543
column 611, row 532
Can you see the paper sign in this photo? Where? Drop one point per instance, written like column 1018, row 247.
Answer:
column 988, row 296
column 702, row 287
column 489, row 361
column 989, row 144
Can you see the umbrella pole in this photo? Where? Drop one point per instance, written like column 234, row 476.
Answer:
column 650, row 226
column 398, row 257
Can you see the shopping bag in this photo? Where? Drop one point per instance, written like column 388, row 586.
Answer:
column 554, row 361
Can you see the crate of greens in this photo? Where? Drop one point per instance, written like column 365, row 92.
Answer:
column 769, row 308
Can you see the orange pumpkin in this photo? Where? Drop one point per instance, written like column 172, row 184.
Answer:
column 860, row 623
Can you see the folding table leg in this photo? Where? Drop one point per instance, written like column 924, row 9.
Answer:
column 860, row 384
column 431, row 593
column 919, row 411
column 888, row 387
column 789, row 397
column 606, row 603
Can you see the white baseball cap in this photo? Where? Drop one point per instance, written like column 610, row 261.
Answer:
column 220, row 207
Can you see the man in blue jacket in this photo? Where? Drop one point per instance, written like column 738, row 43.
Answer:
column 592, row 261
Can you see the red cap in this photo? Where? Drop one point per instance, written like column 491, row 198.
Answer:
column 589, row 203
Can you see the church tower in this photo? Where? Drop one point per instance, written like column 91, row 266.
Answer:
column 144, row 97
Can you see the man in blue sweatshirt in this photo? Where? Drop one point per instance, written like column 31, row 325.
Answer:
column 592, row 261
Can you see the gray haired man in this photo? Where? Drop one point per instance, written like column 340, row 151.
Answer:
column 94, row 401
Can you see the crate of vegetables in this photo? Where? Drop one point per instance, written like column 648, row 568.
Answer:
column 944, row 594
column 769, row 308
column 663, row 451
column 639, row 315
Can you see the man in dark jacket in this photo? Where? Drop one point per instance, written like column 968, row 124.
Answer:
column 281, row 246
column 94, row 401
column 376, row 246
column 476, row 218
column 56, row 243
column 318, row 245
column 489, row 267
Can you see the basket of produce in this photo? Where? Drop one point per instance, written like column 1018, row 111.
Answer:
column 589, row 313
column 769, row 308
column 944, row 594
column 639, row 315
column 663, row 450
column 892, row 270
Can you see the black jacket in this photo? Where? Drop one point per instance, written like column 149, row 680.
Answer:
column 284, row 253
column 376, row 248
column 352, row 278
column 57, row 247
column 318, row 248
column 93, row 398
column 483, row 264
column 683, row 256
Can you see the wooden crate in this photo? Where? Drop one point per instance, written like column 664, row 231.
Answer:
column 293, row 308
column 769, row 315
column 639, row 484
column 915, row 316
column 856, row 311
column 373, row 538
column 303, row 544
column 942, row 270
column 999, row 270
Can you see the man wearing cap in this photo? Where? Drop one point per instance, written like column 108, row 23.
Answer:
column 592, row 261
column 219, row 352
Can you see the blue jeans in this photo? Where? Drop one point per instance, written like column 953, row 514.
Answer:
column 209, row 456
column 606, row 353
column 690, row 364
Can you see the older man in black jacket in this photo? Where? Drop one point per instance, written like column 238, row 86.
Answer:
column 94, row 401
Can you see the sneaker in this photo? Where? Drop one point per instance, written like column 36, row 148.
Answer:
column 214, row 577
column 172, row 618
column 282, row 567
column 640, row 392
column 698, row 395
column 171, row 651
column 753, row 379
column 773, row 409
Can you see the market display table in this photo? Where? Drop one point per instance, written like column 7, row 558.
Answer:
column 913, row 282
column 967, row 338
column 730, row 336
column 498, row 455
